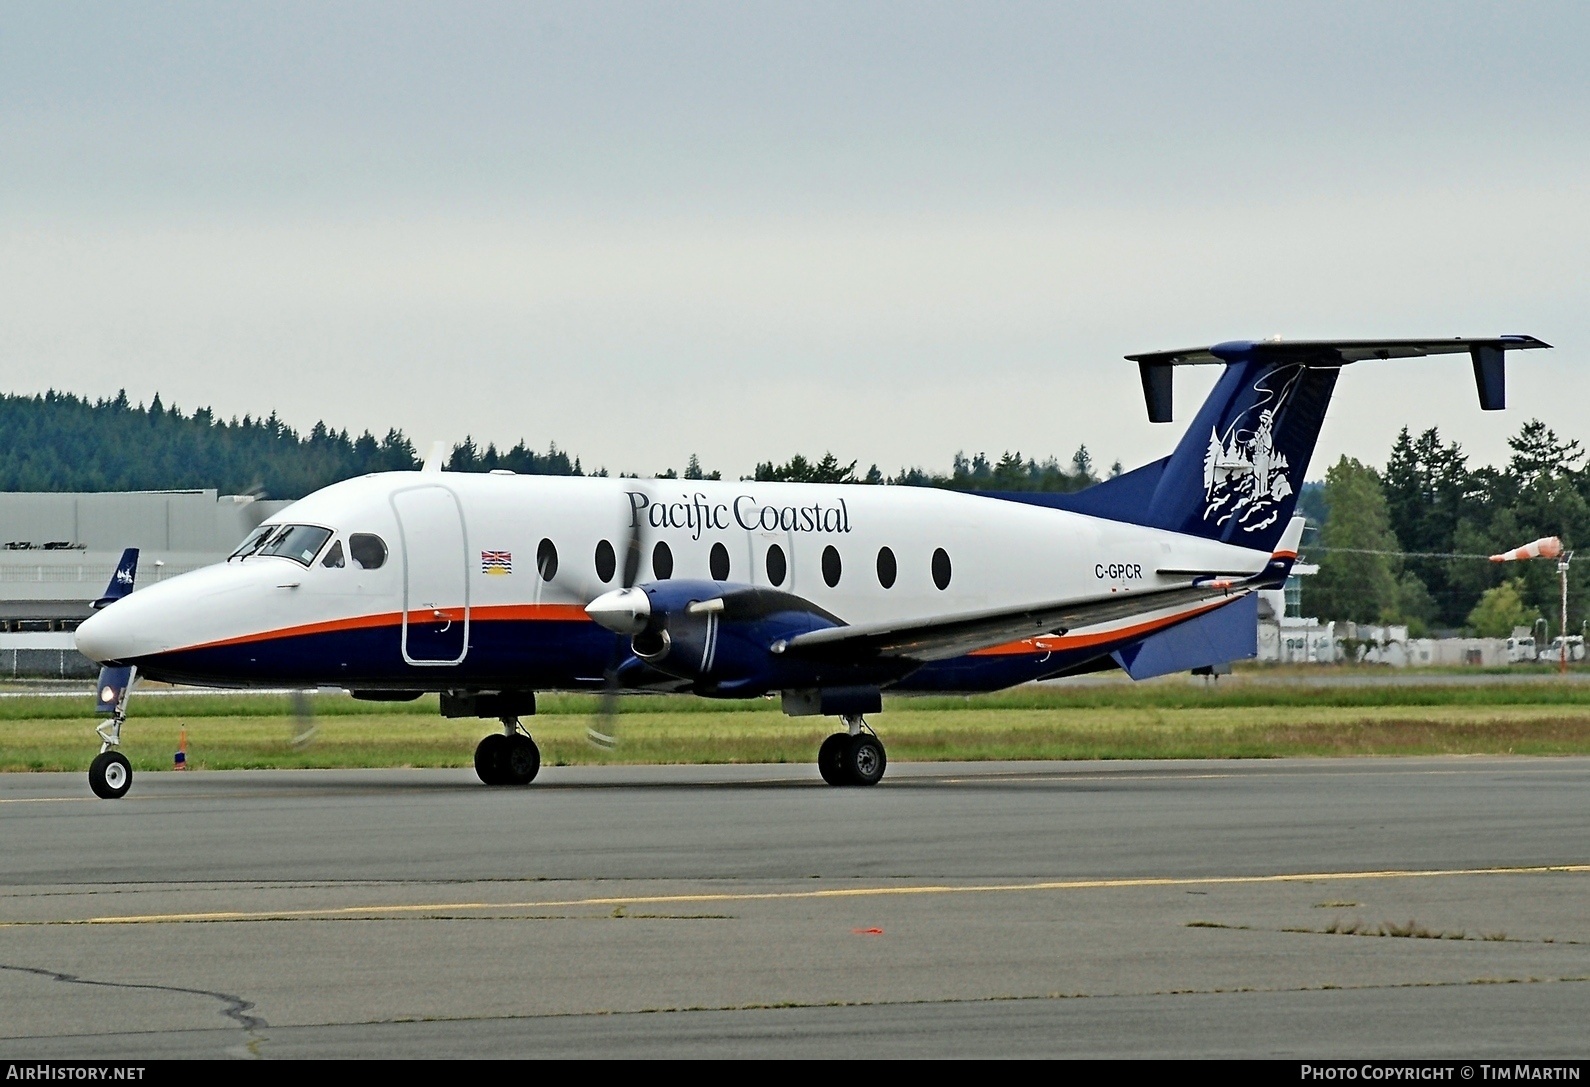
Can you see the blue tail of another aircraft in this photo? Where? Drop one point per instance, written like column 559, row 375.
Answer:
column 110, row 692
column 121, row 581
column 1237, row 471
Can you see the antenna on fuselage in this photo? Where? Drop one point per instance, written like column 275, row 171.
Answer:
column 436, row 459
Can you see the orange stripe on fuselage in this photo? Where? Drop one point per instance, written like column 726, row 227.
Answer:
column 1053, row 643
column 564, row 612
column 1046, row 643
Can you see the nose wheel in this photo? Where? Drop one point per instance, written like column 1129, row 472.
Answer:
column 856, row 757
column 110, row 775
column 509, row 757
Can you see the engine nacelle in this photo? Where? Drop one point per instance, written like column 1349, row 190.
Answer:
column 720, row 635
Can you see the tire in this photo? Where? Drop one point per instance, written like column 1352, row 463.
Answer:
column 521, row 760
column 110, row 775
column 865, row 760
column 831, row 759
column 491, row 758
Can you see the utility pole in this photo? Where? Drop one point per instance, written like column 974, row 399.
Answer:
column 1562, row 574
column 1547, row 547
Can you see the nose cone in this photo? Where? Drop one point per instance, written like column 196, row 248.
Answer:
column 186, row 610
column 106, row 636
column 623, row 611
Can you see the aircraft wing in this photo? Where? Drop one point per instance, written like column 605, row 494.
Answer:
column 947, row 636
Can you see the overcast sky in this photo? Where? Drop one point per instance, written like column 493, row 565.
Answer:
column 745, row 230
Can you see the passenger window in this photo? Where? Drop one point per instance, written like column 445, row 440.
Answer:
column 888, row 570
column 333, row 559
column 367, row 550
column 941, row 568
column 662, row 561
column 777, row 567
column 719, row 561
column 606, row 562
column 547, row 560
column 831, row 565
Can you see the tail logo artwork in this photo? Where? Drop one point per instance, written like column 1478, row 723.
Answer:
column 1244, row 473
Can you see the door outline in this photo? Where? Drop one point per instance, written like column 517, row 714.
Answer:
column 403, row 536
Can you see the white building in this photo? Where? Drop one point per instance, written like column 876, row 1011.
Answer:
column 58, row 550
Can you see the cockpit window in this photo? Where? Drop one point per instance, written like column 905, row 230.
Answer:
column 297, row 542
column 367, row 550
column 253, row 542
column 333, row 559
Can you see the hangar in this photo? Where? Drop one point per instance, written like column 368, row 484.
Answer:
column 57, row 551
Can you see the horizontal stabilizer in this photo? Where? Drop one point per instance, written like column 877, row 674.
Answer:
column 1487, row 354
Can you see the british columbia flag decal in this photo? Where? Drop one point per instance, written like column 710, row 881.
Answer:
column 496, row 562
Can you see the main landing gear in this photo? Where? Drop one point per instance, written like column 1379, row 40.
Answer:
column 509, row 757
column 853, row 757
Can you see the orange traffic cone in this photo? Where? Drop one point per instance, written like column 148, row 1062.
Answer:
column 180, row 760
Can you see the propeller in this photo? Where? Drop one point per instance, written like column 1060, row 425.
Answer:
column 304, row 727
column 602, row 732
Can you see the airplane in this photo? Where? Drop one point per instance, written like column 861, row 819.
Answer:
column 487, row 588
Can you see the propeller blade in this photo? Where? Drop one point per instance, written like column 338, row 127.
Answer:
column 602, row 732
column 304, row 727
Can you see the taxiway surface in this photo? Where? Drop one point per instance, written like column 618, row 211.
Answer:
column 1353, row 907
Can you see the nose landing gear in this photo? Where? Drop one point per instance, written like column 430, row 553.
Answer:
column 853, row 757
column 509, row 757
column 110, row 774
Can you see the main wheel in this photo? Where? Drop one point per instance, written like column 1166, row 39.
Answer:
column 491, row 759
column 864, row 760
column 110, row 775
column 831, row 758
column 521, row 760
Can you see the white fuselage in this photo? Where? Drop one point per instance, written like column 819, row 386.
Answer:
column 463, row 549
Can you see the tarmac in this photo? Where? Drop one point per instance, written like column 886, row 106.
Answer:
column 1329, row 908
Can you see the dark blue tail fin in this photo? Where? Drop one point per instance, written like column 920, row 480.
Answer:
column 1237, row 471
column 121, row 582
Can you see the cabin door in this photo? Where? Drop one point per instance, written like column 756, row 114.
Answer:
column 435, row 575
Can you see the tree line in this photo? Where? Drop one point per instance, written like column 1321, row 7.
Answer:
column 1409, row 543
column 1384, row 537
column 60, row 442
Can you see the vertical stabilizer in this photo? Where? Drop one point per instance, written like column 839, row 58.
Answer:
column 1236, row 474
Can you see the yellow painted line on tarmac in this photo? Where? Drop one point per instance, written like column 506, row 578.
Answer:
column 791, row 896
column 1102, row 775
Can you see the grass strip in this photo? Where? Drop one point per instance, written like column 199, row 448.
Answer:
column 915, row 730
column 1173, row 693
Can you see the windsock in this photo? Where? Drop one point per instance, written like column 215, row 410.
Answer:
column 1547, row 547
